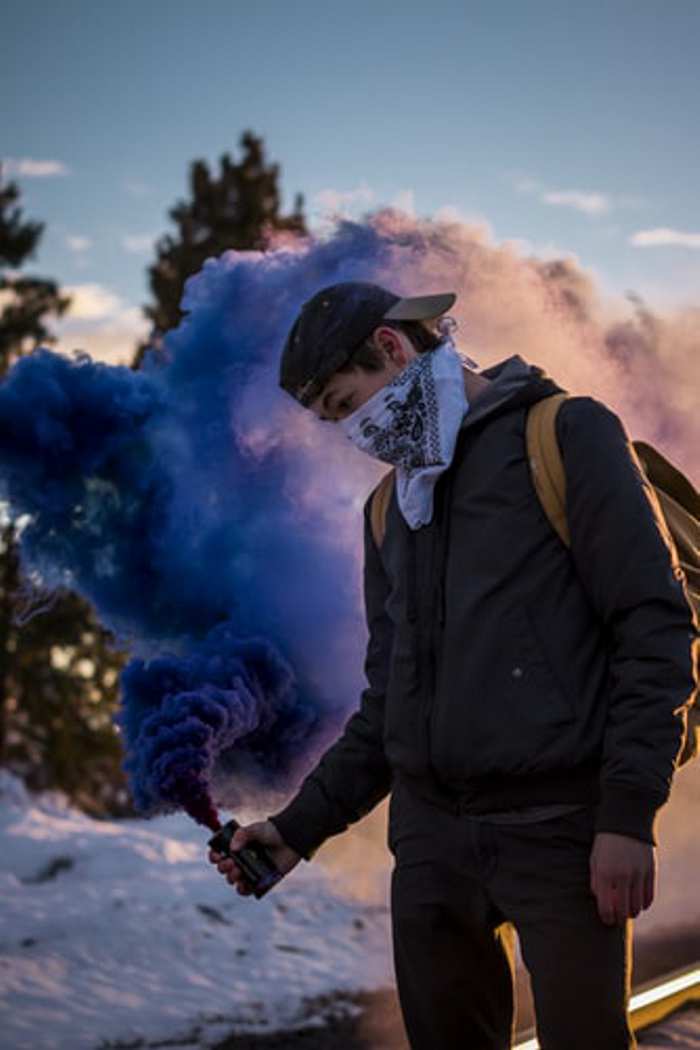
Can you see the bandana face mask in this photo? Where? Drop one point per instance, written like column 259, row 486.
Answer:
column 412, row 423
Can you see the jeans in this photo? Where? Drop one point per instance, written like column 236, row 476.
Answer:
column 460, row 886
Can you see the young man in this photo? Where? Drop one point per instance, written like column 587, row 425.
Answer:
column 525, row 702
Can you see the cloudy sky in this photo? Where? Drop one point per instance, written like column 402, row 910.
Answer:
column 566, row 130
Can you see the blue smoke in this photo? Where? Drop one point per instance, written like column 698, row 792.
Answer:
column 227, row 696
column 215, row 526
column 205, row 517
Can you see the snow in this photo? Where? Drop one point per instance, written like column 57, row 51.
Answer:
column 137, row 936
column 112, row 932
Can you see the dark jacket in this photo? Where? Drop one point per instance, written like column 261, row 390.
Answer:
column 503, row 669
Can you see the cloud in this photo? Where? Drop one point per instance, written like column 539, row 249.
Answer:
column 137, row 188
column 343, row 202
column 34, row 169
column 78, row 244
column 480, row 228
column 138, row 243
column 405, row 201
column 663, row 237
column 100, row 322
column 92, row 302
column 544, row 250
column 449, row 213
column 589, row 203
column 330, row 205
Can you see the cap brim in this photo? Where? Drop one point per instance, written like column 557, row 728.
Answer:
column 421, row 307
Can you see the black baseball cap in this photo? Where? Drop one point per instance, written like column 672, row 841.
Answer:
column 335, row 322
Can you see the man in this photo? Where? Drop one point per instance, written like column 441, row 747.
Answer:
column 525, row 702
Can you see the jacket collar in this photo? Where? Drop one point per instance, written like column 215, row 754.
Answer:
column 514, row 382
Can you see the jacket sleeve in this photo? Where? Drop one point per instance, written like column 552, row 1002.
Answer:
column 628, row 565
column 353, row 775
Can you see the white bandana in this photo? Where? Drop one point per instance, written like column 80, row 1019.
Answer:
column 412, row 423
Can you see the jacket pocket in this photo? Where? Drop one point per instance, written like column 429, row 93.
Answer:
column 533, row 691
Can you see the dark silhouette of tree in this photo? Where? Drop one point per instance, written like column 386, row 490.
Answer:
column 58, row 671
column 26, row 301
column 236, row 209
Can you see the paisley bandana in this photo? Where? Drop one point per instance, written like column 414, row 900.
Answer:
column 412, row 423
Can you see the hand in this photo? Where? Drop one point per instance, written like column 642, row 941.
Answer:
column 264, row 832
column 623, row 876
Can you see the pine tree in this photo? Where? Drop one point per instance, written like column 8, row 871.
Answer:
column 25, row 301
column 237, row 209
column 58, row 670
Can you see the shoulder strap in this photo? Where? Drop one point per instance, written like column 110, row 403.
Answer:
column 546, row 463
column 679, row 501
column 380, row 504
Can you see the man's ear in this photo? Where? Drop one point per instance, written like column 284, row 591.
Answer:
column 388, row 341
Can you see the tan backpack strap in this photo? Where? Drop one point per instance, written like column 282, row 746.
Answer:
column 379, row 506
column 546, row 463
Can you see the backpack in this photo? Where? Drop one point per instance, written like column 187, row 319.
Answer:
column 678, row 499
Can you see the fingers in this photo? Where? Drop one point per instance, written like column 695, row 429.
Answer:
column 230, row 870
column 235, row 877
column 620, row 899
column 227, row 866
column 263, row 832
column 622, row 876
column 241, row 838
column 611, row 893
column 617, row 899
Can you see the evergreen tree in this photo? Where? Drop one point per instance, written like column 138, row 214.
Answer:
column 25, row 301
column 237, row 209
column 58, row 672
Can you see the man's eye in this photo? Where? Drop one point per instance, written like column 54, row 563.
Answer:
column 345, row 404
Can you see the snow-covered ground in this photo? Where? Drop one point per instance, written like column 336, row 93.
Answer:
column 112, row 932
column 119, row 930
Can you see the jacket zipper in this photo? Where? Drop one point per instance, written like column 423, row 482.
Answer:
column 430, row 623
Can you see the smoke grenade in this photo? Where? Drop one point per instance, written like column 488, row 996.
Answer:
column 255, row 862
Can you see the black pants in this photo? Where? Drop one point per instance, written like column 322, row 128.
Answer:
column 459, row 886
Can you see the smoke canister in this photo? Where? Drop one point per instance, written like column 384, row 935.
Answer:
column 255, row 862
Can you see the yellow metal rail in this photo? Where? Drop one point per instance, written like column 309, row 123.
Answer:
column 651, row 1002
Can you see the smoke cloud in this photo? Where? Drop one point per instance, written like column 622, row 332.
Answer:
column 216, row 527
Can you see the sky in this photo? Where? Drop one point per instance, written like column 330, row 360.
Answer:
column 564, row 131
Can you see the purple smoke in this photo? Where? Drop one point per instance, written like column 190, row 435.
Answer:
column 186, row 503
column 228, row 696
column 215, row 527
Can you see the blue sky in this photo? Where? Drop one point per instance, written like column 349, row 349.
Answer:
column 568, row 129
